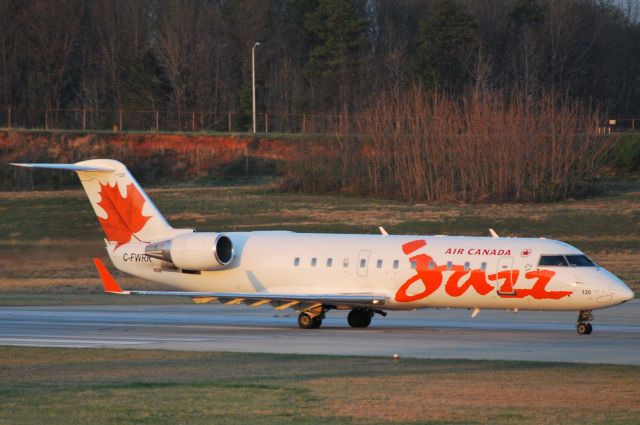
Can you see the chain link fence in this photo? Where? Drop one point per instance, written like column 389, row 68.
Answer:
column 168, row 121
column 202, row 122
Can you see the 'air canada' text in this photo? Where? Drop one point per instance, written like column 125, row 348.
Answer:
column 478, row 251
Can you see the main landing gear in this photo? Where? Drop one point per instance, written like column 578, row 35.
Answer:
column 307, row 321
column 357, row 318
column 584, row 326
column 361, row 317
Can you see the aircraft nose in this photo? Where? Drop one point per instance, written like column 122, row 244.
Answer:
column 627, row 294
column 620, row 292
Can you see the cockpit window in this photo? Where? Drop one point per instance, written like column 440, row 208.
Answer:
column 579, row 261
column 553, row 260
column 566, row 260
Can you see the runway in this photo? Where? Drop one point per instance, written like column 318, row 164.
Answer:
column 446, row 334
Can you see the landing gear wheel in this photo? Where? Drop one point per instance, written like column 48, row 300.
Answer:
column 359, row 318
column 584, row 326
column 305, row 321
column 316, row 322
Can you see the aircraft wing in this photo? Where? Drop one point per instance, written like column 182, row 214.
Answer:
column 252, row 299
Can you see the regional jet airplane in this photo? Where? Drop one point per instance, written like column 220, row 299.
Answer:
column 316, row 273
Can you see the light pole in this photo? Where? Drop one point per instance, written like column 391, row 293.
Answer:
column 253, row 82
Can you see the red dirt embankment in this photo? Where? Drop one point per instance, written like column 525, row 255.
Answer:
column 210, row 150
column 153, row 157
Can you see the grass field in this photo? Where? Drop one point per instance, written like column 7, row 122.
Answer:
column 83, row 386
column 47, row 239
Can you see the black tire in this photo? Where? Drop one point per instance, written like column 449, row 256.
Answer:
column 305, row 321
column 353, row 319
column 589, row 329
column 316, row 322
column 582, row 328
column 359, row 318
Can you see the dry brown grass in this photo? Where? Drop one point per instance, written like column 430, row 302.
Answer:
column 35, row 194
column 67, row 285
column 557, row 396
column 625, row 263
column 370, row 217
column 120, row 386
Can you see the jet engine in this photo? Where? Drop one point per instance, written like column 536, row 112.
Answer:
column 194, row 251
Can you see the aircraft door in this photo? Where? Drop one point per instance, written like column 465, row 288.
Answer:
column 363, row 262
column 505, row 277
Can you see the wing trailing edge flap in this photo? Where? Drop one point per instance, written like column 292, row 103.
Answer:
column 260, row 300
column 253, row 299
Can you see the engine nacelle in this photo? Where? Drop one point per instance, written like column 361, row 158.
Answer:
column 194, row 251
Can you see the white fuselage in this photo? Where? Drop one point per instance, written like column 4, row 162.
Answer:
column 411, row 271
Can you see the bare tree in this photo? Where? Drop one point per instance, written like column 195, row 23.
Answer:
column 52, row 31
column 122, row 34
column 175, row 44
column 9, row 45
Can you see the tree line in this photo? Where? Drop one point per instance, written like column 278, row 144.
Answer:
column 455, row 100
column 316, row 56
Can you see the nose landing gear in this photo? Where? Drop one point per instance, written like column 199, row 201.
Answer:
column 584, row 326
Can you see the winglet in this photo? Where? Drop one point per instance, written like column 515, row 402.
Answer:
column 110, row 284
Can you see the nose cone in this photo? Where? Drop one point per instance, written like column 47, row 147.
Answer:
column 620, row 292
column 627, row 294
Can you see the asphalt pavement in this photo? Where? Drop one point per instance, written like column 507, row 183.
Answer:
column 436, row 333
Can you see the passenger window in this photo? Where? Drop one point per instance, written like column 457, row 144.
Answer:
column 363, row 263
column 329, row 262
column 552, row 260
column 314, row 261
column 579, row 261
column 345, row 262
column 467, row 266
column 396, row 264
column 483, row 267
column 449, row 265
column 296, row 261
column 379, row 264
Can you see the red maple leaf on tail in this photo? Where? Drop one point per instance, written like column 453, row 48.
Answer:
column 124, row 215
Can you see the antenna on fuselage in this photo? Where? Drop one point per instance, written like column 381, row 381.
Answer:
column 493, row 233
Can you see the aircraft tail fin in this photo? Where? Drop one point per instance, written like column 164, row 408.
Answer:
column 124, row 210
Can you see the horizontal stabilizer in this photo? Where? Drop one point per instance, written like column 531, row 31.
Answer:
column 67, row 167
